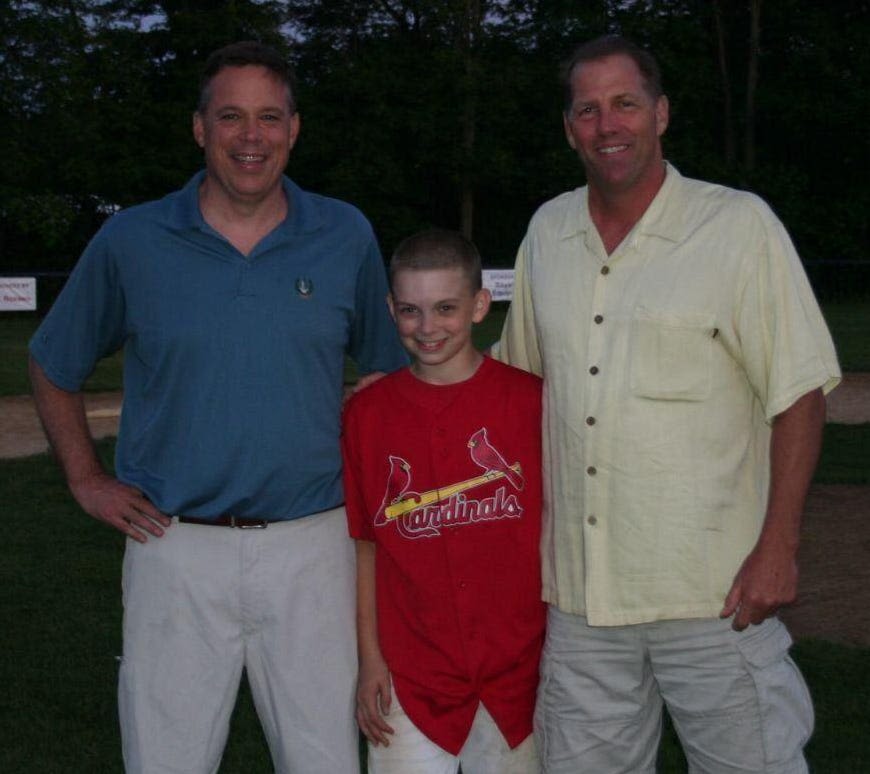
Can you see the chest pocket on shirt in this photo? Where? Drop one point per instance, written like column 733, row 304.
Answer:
column 671, row 355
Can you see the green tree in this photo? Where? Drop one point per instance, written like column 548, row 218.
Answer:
column 44, row 80
column 99, row 97
column 445, row 112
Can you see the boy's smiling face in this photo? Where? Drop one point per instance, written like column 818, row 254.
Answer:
column 434, row 310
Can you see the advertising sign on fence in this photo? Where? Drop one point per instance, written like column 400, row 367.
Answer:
column 499, row 282
column 17, row 294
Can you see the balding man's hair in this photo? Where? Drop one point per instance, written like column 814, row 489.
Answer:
column 612, row 45
column 244, row 54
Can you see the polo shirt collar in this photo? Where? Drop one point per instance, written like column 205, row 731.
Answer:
column 303, row 215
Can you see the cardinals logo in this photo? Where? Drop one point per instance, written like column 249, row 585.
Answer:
column 490, row 460
column 421, row 514
column 397, row 485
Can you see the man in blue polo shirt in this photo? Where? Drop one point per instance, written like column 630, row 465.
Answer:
column 235, row 299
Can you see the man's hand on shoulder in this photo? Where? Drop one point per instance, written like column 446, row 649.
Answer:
column 120, row 506
column 767, row 580
column 365, row 381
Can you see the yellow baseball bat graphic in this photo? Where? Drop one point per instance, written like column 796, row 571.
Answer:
column 437, row 495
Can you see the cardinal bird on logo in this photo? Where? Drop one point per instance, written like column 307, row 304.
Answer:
column 397, row 484
column 487, row 457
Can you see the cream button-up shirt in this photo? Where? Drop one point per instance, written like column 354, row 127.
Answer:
column 664, row 364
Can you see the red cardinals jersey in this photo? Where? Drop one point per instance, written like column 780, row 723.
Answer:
column 446, row 481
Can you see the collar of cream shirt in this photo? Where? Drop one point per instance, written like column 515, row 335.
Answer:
column 658, row 220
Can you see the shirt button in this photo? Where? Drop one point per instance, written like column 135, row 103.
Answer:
column 591, row 470
column 592, row 520
column 462, row 584
column 605, row 270
column 598, row 319
column 593, row 370
column 590, row 421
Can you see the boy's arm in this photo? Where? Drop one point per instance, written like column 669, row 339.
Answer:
column 373, row 695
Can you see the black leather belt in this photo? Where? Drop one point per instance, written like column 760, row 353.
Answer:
column 239, row 522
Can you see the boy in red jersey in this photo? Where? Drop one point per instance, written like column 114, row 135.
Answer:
column 442, row 474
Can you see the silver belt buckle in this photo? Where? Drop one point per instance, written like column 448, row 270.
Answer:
column 240, row 523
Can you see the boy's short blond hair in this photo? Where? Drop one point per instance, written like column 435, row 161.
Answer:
column 438, row 248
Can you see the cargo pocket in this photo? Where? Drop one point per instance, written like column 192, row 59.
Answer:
column 784, row 702
column 671, row 355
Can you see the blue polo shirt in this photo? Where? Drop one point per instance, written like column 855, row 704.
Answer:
column 233, row 365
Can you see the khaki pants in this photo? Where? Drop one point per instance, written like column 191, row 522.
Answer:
column 202, row 603
column 738, row 702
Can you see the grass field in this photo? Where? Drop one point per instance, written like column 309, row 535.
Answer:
column 15, row 332
column 845, row 457
column 60, row 574
column 849, row 322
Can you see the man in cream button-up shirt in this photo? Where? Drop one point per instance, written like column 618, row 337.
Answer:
column 684, row 360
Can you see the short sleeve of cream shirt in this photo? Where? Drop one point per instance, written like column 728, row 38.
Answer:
column 664, row 364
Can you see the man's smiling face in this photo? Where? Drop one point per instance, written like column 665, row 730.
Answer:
column 247, row 130
column 615, row 125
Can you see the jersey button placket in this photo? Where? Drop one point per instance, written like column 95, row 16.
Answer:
column 441, row 460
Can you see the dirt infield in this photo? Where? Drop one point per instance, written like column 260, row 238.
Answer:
column 834, row 597
column 21, row 435
column 834, row 592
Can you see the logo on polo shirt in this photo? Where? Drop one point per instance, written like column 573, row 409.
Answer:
column 304, row 287
column 418, row 515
